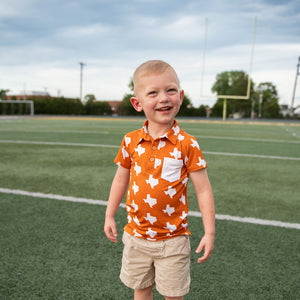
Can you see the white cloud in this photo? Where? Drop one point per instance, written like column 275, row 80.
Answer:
column 15, row 8
column 88, row 31
column 185, row 28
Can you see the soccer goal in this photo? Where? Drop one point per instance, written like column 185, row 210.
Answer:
column 16, row 107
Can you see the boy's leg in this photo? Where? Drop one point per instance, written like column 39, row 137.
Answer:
column 174, row 298
column 144, row 294
column 172, row 271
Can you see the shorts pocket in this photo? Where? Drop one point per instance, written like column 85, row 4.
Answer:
column 171, row 170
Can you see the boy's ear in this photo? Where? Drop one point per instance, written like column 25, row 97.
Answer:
column 136, row 104
column 181, row 96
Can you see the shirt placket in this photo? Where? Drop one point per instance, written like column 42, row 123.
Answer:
column 152, row 155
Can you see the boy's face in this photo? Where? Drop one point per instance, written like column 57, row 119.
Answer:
column 159, row 96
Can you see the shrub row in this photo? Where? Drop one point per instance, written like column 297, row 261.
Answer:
column 58, row 106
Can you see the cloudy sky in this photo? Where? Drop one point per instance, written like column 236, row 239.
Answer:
column 43, row 41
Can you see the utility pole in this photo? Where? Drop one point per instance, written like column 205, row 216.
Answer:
column 294, row 91
column 81, row 74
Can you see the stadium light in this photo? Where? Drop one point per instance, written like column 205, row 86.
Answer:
column 295, row 84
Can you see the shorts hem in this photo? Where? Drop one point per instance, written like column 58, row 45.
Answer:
column 136, row 286
column 173, row 292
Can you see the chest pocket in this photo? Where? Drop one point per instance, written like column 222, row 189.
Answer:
column 171, row 170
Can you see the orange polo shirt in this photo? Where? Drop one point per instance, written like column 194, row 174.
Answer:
column 159, row 172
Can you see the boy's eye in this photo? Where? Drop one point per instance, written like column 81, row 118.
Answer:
column 152, row 93
column 172, row 90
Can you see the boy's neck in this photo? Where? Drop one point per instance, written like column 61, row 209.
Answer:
column 158, row 130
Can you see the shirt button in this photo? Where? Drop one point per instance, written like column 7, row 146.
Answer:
column 154, row 148
column 151, row 158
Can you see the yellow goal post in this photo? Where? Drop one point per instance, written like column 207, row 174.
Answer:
column 226, row 97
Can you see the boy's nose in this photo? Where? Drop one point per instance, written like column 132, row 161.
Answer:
column 164, row 97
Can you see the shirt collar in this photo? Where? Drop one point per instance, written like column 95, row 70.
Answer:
column 171, row 135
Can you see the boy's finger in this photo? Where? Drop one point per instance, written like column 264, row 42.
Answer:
column 113, row 235
column 205, row 257
column 200, row 248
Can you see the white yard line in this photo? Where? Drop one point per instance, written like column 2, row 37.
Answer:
column 116, row 146
column 197, row 136
column 58, row 143
column 191, row 213
column 56, row 131
column 252, row 155
column 246, row 139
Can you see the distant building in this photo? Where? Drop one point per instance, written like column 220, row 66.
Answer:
column 114, row 105
column 28, row 96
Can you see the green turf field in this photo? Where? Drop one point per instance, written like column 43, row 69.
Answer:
column 52, row 249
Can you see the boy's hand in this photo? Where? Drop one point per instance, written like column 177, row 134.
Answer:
column 110, row 229
column 206, row 243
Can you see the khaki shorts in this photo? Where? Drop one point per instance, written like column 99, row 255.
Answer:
column 165, row 263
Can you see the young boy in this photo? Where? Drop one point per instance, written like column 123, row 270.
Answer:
column 157, row 161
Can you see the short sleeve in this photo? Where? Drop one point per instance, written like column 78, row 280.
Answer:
column 123, row 157
column 194, row 160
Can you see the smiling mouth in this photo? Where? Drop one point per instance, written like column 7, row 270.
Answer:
column 167, row 108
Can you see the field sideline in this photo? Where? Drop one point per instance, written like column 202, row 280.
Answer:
column 57, row 249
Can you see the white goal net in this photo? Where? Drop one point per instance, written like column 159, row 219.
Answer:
column 16, row 107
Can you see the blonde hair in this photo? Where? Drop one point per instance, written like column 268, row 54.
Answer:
column 151, row 67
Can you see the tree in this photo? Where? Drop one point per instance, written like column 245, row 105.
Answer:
column 269, row 106
column 125, row 107
column 3, row 94
column 202, row 110
column 232, row 83
column 186, row 107
column 90, row 98
column 94, row 107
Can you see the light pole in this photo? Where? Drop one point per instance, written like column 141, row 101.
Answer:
column 81, row 75
column 259, row 104
column 261, row 89
column 295, row 84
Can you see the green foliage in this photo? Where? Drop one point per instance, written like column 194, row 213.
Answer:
column 186, row 106
column 57, row 106
column 3, row 94
column 270, row 106
column 14, row 109
column 217, row 109
column 235, row 83
column 98, row 108
column 60, row 106
column 126, row 108
column 90, row 98
column 202, row 110
column 232, row 83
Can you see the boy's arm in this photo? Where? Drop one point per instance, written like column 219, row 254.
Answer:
column 206, row 204
column 117, row 192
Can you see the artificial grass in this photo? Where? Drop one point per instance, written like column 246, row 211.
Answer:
column 242, row 186
column 57, row 250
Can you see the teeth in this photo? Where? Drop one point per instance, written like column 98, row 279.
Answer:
column 164, row 108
